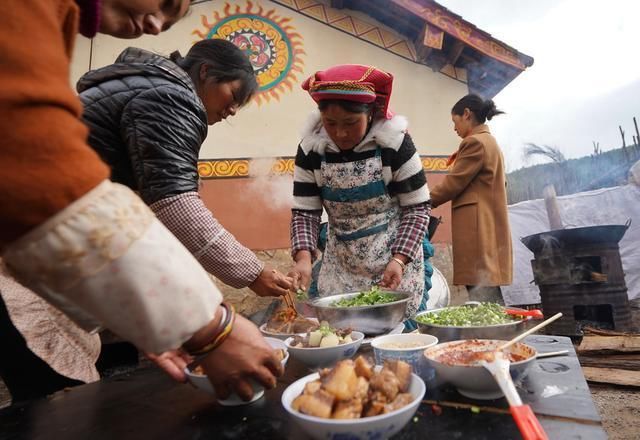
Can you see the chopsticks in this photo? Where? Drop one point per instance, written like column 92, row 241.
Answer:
column 552, row 354
column 528, row 332
column 290, row 302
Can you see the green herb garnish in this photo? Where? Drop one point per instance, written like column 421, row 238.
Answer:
column 370, row 297
column 468, row 316
column 301, row 295
column 325, row 328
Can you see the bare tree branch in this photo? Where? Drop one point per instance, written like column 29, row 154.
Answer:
column 545, row 151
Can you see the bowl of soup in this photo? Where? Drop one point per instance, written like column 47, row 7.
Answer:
column 407, row 347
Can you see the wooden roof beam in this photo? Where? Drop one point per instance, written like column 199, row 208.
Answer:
column 455, row 52
column 420, row 43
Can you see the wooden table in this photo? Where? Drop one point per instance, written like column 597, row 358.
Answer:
column 148, row 405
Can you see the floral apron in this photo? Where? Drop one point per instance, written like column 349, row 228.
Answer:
column 363, row 221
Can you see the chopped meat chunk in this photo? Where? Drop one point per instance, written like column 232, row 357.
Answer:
column 312, row 387
column 318, row 404
column 303, row 325
column 401, row 400
column 348, row 409
column 363, row 388
column 386, row 382
column 363, row 368
column 402, row 371
column 375, row 406
column 342, row 382
column 324, row 373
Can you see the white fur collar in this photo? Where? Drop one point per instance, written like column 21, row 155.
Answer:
column 385, row 133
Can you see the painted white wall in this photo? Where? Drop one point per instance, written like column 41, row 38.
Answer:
column 272, row 129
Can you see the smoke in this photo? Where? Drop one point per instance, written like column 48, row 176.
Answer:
column 549, row 243
column 266, row 184
column 485, row 287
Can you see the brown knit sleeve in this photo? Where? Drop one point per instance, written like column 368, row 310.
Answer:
column 45, row 163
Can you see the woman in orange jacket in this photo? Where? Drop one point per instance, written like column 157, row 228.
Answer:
column 90, row 247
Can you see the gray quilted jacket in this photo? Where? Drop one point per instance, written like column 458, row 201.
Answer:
column 146, row 122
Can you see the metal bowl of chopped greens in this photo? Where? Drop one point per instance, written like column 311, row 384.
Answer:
column 371, row 312
column 470, row 321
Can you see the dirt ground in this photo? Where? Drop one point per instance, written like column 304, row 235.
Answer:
column 618, row 407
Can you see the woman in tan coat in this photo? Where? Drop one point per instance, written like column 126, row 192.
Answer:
column 476, row 186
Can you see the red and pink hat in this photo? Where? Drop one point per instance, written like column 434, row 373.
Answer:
column 352, row 82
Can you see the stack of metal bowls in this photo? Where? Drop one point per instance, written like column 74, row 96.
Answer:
column 370, row 320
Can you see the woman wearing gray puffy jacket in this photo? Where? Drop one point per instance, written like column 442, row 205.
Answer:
column 148, row 117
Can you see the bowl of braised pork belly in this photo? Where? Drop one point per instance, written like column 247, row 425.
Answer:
column 355, row 400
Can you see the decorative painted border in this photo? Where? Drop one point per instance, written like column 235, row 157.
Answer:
column 241, row 168
column 463, row 31
column 435, row 164
column 379, row 36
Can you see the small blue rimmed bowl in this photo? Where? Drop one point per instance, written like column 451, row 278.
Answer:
column 407, row 347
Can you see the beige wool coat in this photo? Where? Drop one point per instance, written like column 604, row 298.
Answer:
column 476, row 186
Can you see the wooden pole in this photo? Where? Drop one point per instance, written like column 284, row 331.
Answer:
column 553, row 212
column 637, row 143
column 624, row 144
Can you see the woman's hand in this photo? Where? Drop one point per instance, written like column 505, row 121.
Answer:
column 244, row 355
column 392, row 275
column 270, row 282
column 301, row 271
column 172, row 362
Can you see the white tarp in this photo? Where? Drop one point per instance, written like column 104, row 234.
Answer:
column 609, row 206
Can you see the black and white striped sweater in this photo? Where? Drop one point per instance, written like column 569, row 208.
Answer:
column 402, row 169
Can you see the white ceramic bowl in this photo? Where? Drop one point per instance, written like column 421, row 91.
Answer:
column 323, row 356
column 382, row 426
column 202, row 382
column 281, row 336
column 413, row 355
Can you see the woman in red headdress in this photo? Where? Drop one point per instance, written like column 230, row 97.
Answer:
column 358, row 163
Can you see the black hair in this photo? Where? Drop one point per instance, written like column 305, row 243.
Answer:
column 347, row 106
column 225, row 61
column 482, row 109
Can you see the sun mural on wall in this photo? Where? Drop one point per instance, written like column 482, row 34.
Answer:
column 270, row 42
